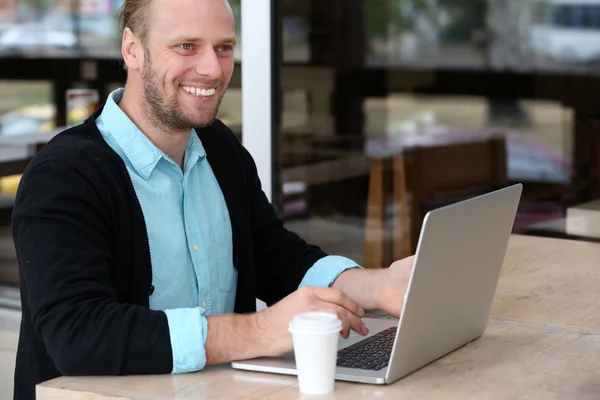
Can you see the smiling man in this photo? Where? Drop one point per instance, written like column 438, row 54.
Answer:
column 143, row 235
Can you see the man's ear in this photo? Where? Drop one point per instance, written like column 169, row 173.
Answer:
column 131, row 50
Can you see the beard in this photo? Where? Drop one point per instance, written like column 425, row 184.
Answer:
column 164, row 110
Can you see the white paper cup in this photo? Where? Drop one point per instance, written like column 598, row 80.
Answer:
column 316, row 336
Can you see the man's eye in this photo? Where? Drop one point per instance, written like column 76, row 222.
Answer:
column 185, row 46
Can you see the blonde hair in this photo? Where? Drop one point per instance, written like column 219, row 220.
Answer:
column 134, row 15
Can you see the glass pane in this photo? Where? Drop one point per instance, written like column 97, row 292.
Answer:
column 59, row 28
column 453, row 84
column 295, row 30
column 25, row 108
column 230, row 111
column 236, row 7
column 65, row 28
column 429, row 33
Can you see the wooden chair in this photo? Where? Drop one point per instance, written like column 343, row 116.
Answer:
column 444, row 174
column 420, row 179
column 386, row 176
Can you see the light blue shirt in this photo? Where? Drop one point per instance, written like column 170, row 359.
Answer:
column 189, row 233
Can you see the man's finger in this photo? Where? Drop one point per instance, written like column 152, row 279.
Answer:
column 352, row 321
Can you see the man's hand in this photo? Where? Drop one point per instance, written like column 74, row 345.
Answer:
column 390, row 294
column 378, row 289
column 238, row 337
column 273, row 322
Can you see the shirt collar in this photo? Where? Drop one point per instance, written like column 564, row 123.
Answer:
column 195, row 149
column 141, row 152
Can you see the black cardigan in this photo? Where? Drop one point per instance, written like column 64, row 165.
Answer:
column 84, row 258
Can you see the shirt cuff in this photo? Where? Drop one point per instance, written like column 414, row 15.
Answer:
column 326, row 270
column 188, row 329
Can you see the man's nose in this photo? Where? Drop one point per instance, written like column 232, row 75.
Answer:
column 209, row 65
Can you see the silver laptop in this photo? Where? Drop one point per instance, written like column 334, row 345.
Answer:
column 457, row 266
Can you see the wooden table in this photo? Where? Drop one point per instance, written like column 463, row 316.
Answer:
column 584, row 219
column 542, row 342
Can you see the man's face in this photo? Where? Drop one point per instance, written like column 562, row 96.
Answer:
column 188, row 61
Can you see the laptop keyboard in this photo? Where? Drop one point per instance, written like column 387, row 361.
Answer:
column 372, row 353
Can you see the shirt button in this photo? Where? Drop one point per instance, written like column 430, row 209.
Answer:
column 204, row 304
column 195, row 246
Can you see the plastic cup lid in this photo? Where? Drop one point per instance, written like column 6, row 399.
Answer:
column 315, row 322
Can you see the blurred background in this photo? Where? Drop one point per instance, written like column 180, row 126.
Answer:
column 387, row 109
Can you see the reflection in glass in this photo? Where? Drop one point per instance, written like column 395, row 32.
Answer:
column 59, row 28
column 25, row 108
column 567, row 32
column 424, row 32
column 445, row 73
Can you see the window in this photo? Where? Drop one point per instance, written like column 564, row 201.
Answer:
column 25, row 107
column 428, row 71
column 591, row 17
